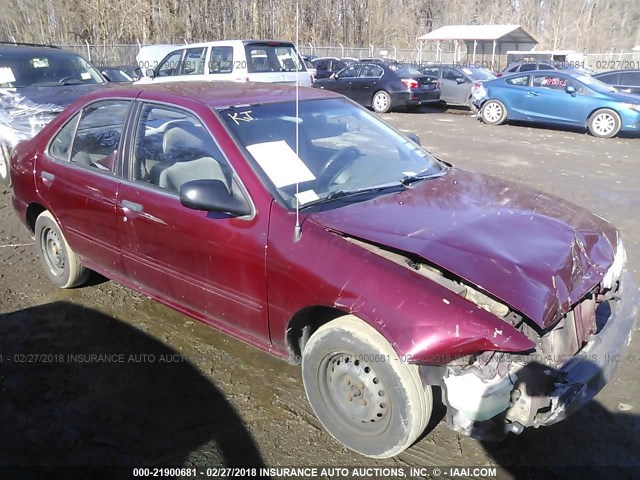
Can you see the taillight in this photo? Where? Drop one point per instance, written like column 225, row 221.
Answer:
column 410, row 82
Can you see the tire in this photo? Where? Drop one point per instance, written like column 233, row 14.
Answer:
column 61, row 265
column 347, row 360
column 493, row 112
column 5, row 156
column 604, row 123
column 381, row 102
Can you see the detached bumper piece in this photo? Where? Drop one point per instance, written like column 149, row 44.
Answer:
column 536, row 394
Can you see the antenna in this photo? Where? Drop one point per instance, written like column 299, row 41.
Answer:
column 297, row 232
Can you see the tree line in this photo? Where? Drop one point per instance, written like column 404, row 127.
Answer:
column 582, row 25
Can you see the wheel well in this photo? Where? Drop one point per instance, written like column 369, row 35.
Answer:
column 33, row 211
column 586, row 124
column 303, row 324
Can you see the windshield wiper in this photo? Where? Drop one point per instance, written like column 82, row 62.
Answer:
column 409, row 179
column 351, row 193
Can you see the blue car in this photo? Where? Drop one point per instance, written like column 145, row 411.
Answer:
column 560, row 98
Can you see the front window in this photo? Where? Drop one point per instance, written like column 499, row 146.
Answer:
column 342, row 150
column 170, row 66
column 46, row 69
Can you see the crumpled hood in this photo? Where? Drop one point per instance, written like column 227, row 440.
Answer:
column 537, row 253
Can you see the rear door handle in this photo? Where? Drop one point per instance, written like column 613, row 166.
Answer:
column 532, row 94
column 134, row 207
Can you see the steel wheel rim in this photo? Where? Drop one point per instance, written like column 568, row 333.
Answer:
column 604, row 123
column 380, row 101
column 492, row 112
column 355, row 393
column 53, row 251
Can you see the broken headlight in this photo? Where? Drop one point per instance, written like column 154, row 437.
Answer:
column 615, row 270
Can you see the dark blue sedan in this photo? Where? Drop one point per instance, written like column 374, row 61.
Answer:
column 560, row 98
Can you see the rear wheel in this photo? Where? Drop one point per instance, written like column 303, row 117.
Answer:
column 604, row 123
column 493, row 112
column 360, row 390
column 61, row 264
column 381, row 102
column 5, row 155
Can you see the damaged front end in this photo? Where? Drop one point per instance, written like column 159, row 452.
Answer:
column 492, row 393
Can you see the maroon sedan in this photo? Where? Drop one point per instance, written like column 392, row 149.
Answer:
column 318, row 233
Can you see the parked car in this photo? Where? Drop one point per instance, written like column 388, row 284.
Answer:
column 133, row 71
column 115, row 75
column 233, row 60
column 456, row 82
column 561, row 98
column 36, row 83
column 529, row 65
column 327, row 66
column 318, row 233
column 526, row 66
column 624, row 80
column 382, row 88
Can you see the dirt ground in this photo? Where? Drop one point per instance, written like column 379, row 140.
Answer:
column 102, row 376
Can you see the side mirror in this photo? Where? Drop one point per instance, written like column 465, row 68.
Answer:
column 150, row 72
column 460, row 80
column 105, row 74
column 414, row 138
column 570, row 90
column 212, row 196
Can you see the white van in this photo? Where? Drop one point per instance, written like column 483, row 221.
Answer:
column 232, row 60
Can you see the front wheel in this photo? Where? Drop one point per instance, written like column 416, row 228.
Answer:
column 5, row 155
column 493, row 112
column 604, row 123
column 61, row 264
column 362, row 393
column 381, row 102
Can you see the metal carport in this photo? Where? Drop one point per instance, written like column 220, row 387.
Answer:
column 482, row 39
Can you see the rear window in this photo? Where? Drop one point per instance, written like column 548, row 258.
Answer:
column 280, row 57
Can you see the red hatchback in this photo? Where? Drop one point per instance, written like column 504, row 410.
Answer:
column 315, row 231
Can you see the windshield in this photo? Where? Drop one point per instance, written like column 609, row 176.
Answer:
column 342, row 148
column 479, row 73
column 46, row 69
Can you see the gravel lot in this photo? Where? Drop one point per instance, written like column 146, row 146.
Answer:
column 168, row 390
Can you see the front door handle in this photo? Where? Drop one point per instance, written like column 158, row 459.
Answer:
column 47, row 178
column 134, row 207
column 532, row 94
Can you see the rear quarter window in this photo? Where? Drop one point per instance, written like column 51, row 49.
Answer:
column 521, row 81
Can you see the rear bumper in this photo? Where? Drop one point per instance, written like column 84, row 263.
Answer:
column 534, row 394
column 415, row 97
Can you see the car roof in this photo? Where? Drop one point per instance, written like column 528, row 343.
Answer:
column 231, row 42
column 28, row 47
column 627, row 70
column 219, row 94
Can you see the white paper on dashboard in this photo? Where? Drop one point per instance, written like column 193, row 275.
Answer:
column 6, row 75
column 307, row 196
column 280, row 163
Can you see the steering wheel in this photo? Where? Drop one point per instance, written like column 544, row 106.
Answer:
column 337, row 163
column 67, row 79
